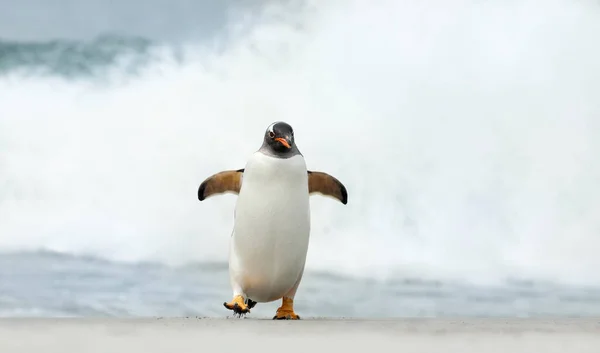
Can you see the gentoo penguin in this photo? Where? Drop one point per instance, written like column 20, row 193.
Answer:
column 270, row 237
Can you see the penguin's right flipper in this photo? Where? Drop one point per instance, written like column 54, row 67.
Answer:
column 228, row 181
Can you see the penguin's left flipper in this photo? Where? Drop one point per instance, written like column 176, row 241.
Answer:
column 325, row 184
column 228, row 181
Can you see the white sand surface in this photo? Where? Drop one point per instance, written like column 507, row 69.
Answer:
column 150, row 335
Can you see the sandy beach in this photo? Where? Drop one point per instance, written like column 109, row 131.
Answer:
column 225, row 335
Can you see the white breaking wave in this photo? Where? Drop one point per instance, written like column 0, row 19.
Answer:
column 467, row 134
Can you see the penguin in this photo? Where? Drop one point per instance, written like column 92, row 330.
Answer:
column 271, row 231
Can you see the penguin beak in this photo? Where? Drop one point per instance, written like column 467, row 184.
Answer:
column 283, row 142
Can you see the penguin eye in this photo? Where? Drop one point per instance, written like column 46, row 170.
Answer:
column 271, row 134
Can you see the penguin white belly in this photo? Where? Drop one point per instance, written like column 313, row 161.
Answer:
column 272, row 227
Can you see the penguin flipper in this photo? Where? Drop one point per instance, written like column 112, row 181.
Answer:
column 325, row 184
column 228, row 181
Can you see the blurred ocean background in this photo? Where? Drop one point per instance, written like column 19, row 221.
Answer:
column 467, row 133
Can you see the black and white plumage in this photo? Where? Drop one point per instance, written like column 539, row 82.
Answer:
column 271, row 230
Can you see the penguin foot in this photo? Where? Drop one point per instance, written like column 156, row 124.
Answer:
column 238, row 305
column 286, row 311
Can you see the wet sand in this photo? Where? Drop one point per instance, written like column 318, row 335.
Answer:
column 150, row 335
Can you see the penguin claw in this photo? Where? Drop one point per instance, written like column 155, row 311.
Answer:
column 292, row 316
column 237, row 309
column 251, row 303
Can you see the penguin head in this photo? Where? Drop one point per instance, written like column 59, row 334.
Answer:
column 280, row 138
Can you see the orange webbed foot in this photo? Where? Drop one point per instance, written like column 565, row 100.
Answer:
column 238, row 305
column 286, row 311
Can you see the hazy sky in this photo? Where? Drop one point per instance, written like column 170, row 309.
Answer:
column 159, row 19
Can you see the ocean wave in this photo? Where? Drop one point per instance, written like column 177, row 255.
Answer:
column 76, row 58
column 468, row 145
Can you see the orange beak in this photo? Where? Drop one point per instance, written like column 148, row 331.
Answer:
column 283, row 142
